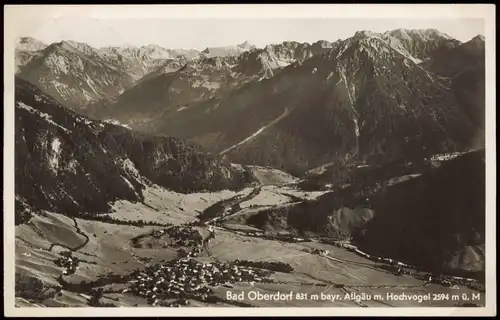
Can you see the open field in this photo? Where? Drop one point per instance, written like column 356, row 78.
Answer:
column 166, row 206
column 270, row 176
column 268, row 196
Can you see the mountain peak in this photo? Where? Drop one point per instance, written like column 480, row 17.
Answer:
column 26, row 40
column 476, row 43
column 75, row 46
column 29, row 44
column 422, row 33
column 153, row 47
column 478, row 38
column 245, row 44
column 365, row 34
column 323, row 44
column 63, row 44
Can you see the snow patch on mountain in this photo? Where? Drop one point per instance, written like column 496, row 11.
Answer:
column 56, row 151
column 116, row 123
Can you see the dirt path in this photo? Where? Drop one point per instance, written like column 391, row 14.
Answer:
column 80, row 232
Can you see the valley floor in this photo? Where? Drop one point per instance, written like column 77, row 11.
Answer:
column 324, row 275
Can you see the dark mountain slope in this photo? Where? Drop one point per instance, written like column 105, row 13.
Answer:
column 465, row 66
column 470, row 91
column 433, row 220
column 450, row 62
column 69, row 164
column 427, row 214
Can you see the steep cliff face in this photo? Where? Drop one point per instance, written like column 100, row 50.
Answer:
column 68, row 163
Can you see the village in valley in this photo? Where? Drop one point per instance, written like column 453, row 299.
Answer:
column 194, row 274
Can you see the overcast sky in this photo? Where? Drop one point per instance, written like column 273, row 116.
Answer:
column 194, row 30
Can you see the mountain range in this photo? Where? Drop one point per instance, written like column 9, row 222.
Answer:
column 370, row 96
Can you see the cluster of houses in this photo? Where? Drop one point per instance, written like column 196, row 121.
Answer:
column 453, row 282
column 187, row 278
column 176, row 304
column 67, row 262
column 181, row 236
column 316, row 251
column 184, row 237
column 195, row 252
column 445, row 156
column 438, row 280
column 250, row 233
column 466, row 282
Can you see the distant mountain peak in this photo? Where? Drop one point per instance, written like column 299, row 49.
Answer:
column 29, row 44
column 365, row 33
column 477, row 38
column 246, row 45
column 422, row 33
column 323, row 44
column 476, row 43
column 71, row 44
column 153, row 47
column 27, row 40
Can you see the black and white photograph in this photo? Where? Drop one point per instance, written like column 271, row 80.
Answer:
column 260, row 161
